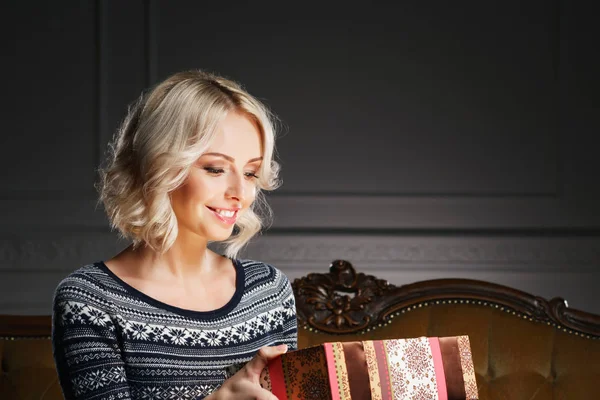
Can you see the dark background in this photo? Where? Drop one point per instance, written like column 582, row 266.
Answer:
column 419, row 140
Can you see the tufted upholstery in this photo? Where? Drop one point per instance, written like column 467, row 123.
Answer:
column 27, row 369
column 520, row 349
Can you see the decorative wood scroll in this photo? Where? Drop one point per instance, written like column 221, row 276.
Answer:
column 344, row 301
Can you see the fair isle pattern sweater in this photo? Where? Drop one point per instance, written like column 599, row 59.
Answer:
column 112, row 342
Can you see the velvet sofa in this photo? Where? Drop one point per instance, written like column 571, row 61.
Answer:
column 523, row 346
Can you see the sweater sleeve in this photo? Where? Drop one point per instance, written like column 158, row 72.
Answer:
column 86, row 347
column 290, row 324
column 287, row 332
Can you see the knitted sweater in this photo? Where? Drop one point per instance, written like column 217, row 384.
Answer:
column 111, row 341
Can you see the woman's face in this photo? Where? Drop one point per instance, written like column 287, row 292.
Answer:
column 222, row 184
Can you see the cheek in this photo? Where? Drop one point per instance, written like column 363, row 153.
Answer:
column 194, row 191
column 201, row 188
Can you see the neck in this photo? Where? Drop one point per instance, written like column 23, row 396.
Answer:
column 188, row 257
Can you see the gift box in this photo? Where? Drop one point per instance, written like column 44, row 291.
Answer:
column 416, row 368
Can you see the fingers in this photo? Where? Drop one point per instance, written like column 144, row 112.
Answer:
column 255, row 366
column 247, row 390
column 263, row 394
column 270, row 396
column 270, row 352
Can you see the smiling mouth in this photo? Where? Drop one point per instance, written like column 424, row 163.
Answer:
column 227, row 216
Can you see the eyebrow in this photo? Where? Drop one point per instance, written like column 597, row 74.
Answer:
column 231, row 159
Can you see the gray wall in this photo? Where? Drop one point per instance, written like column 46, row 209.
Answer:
column 423, row 140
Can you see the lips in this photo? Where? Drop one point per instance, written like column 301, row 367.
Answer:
column 227, row 216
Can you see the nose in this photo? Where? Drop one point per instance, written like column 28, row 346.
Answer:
column 236, row 189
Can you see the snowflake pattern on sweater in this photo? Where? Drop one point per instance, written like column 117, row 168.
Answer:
column 112, row 342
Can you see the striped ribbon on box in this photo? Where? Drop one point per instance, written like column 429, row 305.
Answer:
column 423, row 368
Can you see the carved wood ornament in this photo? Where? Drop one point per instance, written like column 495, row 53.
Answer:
column 343, row 301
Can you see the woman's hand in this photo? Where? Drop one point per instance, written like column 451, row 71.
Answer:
column 245, row 383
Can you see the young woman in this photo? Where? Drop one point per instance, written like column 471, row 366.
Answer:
column 167, row 317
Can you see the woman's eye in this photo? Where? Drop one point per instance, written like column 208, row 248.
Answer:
column 251, row 175
column 214, row 171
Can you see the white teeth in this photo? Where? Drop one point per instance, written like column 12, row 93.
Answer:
column 225, row 213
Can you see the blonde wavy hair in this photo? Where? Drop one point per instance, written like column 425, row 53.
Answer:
column 165, row 132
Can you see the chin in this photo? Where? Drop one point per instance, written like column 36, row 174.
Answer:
column 219, row 236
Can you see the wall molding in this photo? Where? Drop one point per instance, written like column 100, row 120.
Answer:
column 65, row 252
column 519, row 252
